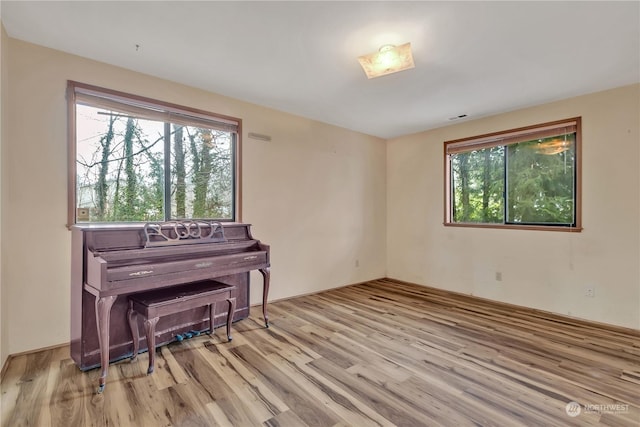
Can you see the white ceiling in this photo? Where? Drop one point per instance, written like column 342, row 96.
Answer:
column 475, row 58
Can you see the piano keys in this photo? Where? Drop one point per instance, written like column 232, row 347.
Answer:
column 110, row 262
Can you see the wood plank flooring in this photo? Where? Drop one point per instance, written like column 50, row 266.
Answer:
column 381, row 353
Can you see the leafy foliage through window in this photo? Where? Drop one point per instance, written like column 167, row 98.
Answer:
column 141, row 160
column 525, row 177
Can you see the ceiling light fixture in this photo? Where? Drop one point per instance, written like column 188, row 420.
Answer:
column 389, row 59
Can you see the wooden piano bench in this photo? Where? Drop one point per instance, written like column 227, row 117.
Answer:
column 162, row 302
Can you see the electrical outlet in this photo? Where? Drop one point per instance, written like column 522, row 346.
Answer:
column 590, row 292
column 498, row 276
column 357, row 263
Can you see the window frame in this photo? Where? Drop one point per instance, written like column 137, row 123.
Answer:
column 505, row 138
column 155, row 107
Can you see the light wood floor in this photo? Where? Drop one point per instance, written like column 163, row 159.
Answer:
column 376, row 354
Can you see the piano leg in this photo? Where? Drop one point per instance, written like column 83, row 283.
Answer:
column 232, row 309
column 103, row 314
column 132, row 315
column 266, row 274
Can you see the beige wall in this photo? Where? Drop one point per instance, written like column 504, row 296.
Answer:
column 315, row 193
column 3, row 82
column 544, row 270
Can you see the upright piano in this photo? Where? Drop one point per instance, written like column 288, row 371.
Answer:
column 109, row 262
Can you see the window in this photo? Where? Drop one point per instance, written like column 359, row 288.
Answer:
column 521, row 178
column 136, row 159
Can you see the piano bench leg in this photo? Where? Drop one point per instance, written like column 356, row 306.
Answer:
column 150, row 328
column 212, row 318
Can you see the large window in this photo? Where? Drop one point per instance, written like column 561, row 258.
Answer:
column 137, row 159
column 522, row 178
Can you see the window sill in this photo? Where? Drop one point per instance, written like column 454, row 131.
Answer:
column 515, row 227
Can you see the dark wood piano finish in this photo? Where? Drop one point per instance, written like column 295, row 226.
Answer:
column 109, row 262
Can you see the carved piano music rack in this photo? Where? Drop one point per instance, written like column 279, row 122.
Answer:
column 109, row 262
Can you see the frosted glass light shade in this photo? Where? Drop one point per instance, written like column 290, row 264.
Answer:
column 389, row 59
